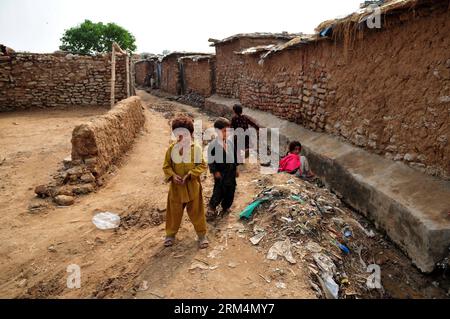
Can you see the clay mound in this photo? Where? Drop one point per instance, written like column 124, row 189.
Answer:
column 102, row 142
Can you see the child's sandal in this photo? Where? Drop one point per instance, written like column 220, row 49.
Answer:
column 168, row 242
column 203, row 242
column 210, row 214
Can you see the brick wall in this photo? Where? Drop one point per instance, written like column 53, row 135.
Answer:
column 199, row 75
column 48, row 80
column 170, row 75
column 387, row 92
column 142, row 70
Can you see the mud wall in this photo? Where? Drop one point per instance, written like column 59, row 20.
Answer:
column 142, row 70
column 101, row 142
column 199, row 76
column 387, row 90
column 229, row 65
column 170, row 75
column 29, row 80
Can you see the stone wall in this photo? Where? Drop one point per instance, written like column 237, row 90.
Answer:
column 29, row 80
column 198, row 75
column 387, row 90
column 229, row 65
column 104, row 140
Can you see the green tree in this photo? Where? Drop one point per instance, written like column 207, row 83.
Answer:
column 91, row 38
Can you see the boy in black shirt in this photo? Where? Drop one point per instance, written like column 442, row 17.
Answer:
column 223, row 162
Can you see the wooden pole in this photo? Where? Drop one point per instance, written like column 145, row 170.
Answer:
column 127, row 63
column 113, row 75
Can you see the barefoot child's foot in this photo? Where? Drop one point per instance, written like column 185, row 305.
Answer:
column 168, row 242
column 203, row 242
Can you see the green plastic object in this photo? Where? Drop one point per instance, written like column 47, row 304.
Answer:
column 248, row 211
column 298, row 199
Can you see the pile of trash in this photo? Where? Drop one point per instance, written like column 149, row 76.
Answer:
column 296, row 219
column 192, row 99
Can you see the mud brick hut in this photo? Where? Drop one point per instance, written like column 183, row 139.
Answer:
column 170, row 72
column 198, row 74
column 386, row 90
column 228, row 65
column 147, row 72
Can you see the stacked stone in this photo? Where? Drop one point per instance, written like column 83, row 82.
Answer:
column 49, row 80
column 298, row 96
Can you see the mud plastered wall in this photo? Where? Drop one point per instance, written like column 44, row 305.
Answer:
column 387, row 90
column 142, row 70
column 199, row 76
column 49, row 80
column 104, row 140
column 170, row 75
column 229, row 65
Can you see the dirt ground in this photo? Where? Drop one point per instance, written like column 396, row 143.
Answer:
column 37, row 246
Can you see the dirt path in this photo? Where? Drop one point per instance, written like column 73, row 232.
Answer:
column 130, row 262
column 37, row 248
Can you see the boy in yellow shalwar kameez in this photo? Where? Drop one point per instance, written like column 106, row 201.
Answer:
column 183, row 169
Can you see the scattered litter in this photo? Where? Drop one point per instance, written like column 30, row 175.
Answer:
column 325, row 264
column 347, row 232
column 282, row 248
column 248, row 211
column 51, row 249
column 313, row 247
column 286, row 219
column 329, row 286
column 202, row 266
column 267, row 280
column 316, row 288
column 106, row 220
column 342, row 247
column 369, row 233
column 280, row 285
column 143, row 286
column 257, row 238
column 216, row 252
column 232, row 264
column 298, row 199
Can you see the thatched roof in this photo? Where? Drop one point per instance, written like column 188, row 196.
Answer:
column 179, row 54
column 256, row 35
column 391, row 7
column 196, row 58
column 267, row 50
column 337, row 28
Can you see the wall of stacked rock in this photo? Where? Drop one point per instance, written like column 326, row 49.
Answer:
column 387, row 92
column 31, row 80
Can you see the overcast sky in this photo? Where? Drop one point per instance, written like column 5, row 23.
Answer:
column 182, row 25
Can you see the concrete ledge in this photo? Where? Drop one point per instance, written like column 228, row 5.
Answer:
column 101, row 142
column 411, row 207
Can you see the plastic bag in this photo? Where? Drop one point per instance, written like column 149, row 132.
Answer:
column 106, row 220
column 282, row 248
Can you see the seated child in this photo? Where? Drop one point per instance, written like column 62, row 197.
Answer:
column 183, row 171
column 293, row 163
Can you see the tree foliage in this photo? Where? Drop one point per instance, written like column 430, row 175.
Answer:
column 91, row 38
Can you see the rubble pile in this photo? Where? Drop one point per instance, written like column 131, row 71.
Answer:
column 193, row 99
column 303, row 222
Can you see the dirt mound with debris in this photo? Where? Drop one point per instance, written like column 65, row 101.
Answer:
column 302, row 222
